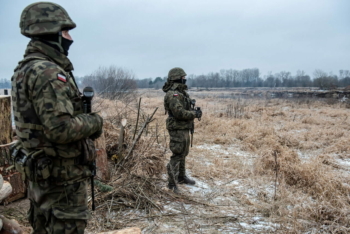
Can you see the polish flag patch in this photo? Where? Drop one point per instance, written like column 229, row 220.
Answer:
column 175, row 95
column 61, row 77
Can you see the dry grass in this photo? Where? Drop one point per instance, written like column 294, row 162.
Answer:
column 277, row 133
column 261, row 166
column 281, row 160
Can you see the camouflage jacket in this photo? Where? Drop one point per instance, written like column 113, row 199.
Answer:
column 177, row 103
column 47, row 104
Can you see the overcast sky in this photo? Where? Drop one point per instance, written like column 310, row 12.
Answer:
column 150, row 37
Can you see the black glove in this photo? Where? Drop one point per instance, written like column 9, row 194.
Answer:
column 198, row 112
column 99, row 132
column 96, row 135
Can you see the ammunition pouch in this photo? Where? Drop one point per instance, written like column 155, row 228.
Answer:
column 44, row 167
column 25, row 163
column 36, row 166
column 20, row 163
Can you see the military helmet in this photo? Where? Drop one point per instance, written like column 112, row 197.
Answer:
column 176, row 73
column 42, row 18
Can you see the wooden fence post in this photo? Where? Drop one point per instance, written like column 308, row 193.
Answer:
column 121, row 136
column 5, row 120
column 6, row 170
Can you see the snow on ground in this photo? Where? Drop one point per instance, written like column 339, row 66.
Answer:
column 343, row 162
column 223, row 212
column 211, row 206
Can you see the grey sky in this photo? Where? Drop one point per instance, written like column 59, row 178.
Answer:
column 150, row 37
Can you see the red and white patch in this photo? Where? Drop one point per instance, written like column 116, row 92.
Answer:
column 175, row 95
column 61, row 77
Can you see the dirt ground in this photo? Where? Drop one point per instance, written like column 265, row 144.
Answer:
column 260, row 165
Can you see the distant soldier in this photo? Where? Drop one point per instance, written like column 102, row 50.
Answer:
column 177, row 103
column 53, row 131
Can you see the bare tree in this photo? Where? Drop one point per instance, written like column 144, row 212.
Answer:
column 324, row 80
column 112, row 82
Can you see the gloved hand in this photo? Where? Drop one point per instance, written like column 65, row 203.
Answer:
column 99, row 122
column 198, row 113
column 96, row 135
column 193, row 102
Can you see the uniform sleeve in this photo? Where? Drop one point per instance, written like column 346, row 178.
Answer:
column 55, row 110
column 177, row 109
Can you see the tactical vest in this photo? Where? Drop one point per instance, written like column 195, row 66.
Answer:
column 61, row 161
column 172, row 123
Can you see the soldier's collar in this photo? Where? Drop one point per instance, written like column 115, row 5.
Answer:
column 180, row 87
column 36, row 46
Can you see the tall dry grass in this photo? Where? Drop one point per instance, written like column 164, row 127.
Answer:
column 311, row 188
column 284, row 155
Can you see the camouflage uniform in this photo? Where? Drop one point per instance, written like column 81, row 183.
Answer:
column 51, row 126
column 178, row 105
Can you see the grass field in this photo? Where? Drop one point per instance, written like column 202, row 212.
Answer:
column 261, row 166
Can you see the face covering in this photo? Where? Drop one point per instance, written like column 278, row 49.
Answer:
column 181, row 81
column 65, row 43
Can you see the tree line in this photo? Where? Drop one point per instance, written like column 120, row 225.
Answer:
column 117, row 82
column 5, row 83
column 251, row 77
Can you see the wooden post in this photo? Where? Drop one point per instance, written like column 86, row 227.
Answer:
column 8, row 173
column 121, row 136
column 5, row 120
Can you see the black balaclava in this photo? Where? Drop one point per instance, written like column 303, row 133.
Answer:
column 181, row 81
column 57, row 42
column 65, row 43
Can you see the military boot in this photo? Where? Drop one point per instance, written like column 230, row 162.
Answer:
column 174, row 188
column 172, row 177
column 186, row 180
column 183, row 179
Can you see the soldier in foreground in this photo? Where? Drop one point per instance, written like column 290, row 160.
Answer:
column 177, row 103
column 55, row 135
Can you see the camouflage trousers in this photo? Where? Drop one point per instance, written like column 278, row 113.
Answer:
column 58, row 209
column 179, row 146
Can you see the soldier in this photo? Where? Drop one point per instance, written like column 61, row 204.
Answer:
column 50, row 123
column 177, row 104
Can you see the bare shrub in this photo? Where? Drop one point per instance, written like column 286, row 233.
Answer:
column 236, row 110
column 136, row 180
column 112, row 82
